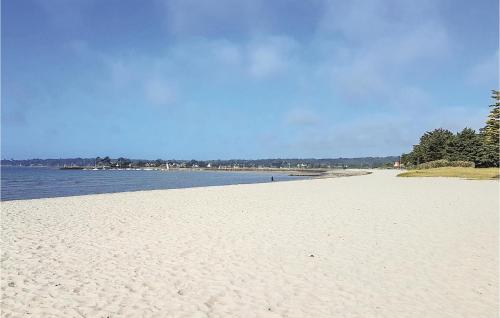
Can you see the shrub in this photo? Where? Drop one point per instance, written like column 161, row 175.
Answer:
column 445, row 163
column 462, row 163
column 434, row 164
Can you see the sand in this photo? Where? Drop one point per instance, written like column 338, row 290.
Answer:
column 364, row 246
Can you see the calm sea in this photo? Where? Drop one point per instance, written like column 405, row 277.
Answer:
column 34, row 182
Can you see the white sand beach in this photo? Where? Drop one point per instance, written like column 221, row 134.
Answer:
column 363, row 246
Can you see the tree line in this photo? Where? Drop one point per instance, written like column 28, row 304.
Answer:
column 481, row 148
column 362, row 162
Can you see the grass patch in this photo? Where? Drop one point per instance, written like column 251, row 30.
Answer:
column 457, row 172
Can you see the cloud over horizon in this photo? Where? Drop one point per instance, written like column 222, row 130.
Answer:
column 284, row 78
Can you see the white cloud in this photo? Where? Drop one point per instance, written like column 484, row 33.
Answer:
column 265, row 61
column 194, row 17
column 368, row 21
column 384, row 45
column 121, row 74
column 226, row 52
column 302, row 117
column 160, row 92
column 379, row 134
column 270, row 56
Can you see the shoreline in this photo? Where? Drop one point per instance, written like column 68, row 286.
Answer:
column 313, row 172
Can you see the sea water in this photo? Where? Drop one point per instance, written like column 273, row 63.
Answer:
column 42, row 182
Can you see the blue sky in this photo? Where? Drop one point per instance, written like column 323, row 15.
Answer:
column 241, row 79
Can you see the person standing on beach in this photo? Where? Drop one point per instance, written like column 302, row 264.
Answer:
column 272, row 178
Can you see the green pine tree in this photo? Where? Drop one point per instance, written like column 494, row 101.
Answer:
column 492, row 128
column 490, row 151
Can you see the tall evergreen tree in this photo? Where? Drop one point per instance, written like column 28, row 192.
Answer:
column 492, row 128
column 489, row 154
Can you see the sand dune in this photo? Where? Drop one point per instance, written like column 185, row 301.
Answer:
column 364, row 246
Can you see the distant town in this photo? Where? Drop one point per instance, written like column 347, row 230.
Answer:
column 125, row 163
